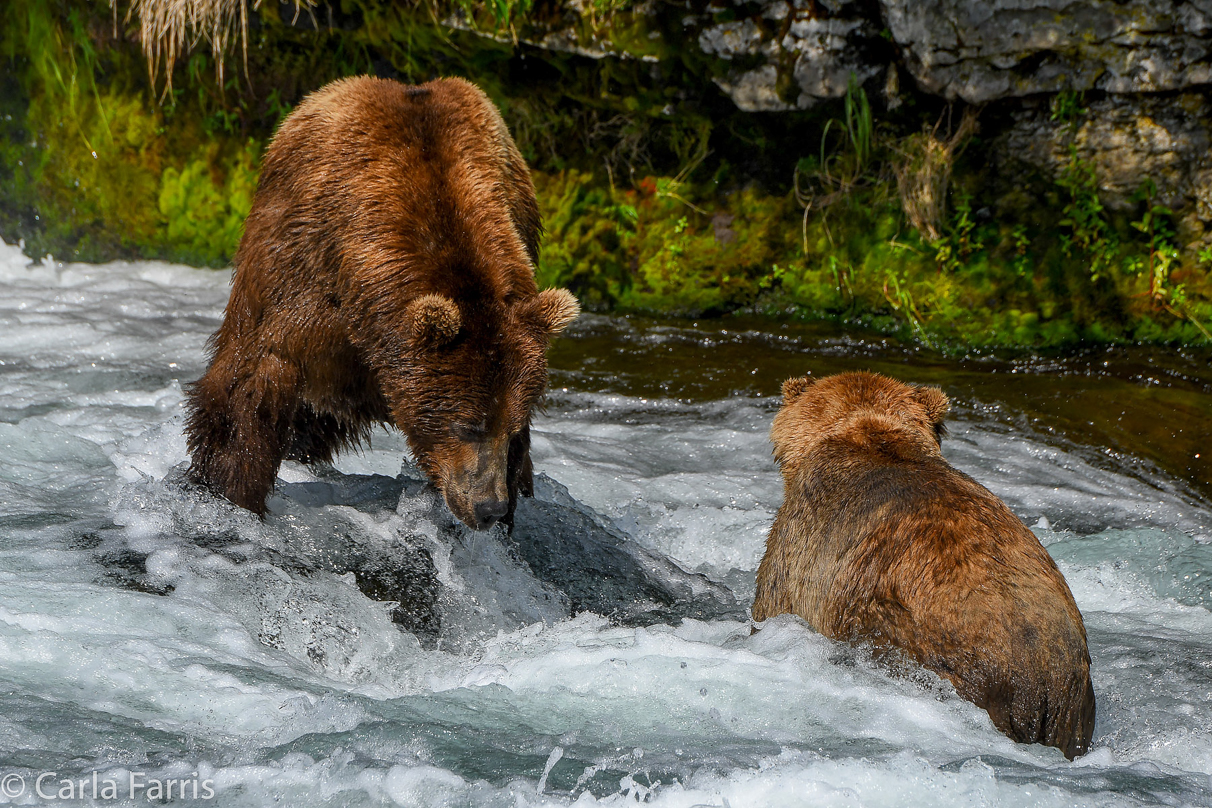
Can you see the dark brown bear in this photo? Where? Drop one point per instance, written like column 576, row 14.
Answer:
column 386, row 275
column 880, row 541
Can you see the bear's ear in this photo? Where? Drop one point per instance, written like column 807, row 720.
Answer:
column 554, row 309
column 934, row 401
column 792, row 388
column 434, row 320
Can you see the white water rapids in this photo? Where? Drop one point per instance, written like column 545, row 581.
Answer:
column 148, row 631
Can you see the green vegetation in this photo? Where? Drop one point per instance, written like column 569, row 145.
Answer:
column 658, row 195
column 841, row 246
column 92, row 168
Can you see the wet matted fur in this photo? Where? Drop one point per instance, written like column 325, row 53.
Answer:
column 386, row 275
column 880, row 541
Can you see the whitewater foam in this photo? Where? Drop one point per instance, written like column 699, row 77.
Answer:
column 147, row 627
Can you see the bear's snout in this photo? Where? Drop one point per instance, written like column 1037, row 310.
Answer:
column 479, row 506
column 474, row 484
column 489, row 512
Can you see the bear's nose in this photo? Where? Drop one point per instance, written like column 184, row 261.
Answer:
column 489, row 513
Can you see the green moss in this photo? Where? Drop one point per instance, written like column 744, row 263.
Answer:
column 583, row 244
column 657, row 194
column 104, row 171
column 204, row 213
column 693, row 260
column 649, row 249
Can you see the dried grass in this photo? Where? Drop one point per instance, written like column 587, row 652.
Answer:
column 170, row 28
column 923, row 172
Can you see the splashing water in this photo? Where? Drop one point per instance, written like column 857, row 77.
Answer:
column 359, row 647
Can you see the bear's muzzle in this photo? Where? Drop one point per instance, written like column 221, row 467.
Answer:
column 476, row 489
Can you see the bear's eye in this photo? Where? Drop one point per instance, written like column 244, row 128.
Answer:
column 472, row 433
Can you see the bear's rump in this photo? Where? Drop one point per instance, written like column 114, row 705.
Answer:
column 1010, row 647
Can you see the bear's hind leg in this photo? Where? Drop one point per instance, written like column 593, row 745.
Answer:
column 240, row 426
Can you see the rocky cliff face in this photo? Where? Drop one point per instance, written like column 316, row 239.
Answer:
column 972, row 50
column 804, row 56
column 984, row 51
column 1146, row 66
column 1129, row 139
column 691, row 156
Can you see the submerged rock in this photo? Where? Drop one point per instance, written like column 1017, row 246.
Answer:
column 561, row 559
column 601, row 570
column 341, row 554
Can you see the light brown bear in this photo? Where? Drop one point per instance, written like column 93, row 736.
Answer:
column 386, row 275
column 880, row 541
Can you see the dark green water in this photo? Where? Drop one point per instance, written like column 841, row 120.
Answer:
column 1143, row 409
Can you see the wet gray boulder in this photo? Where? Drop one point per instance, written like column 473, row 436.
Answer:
column 342, row 556
column 600, row 570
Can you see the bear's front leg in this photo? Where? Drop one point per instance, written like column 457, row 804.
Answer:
column 239, row 426
column 520, row 474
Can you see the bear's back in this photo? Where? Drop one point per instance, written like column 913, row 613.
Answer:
column 927, row 560
column 391, row 183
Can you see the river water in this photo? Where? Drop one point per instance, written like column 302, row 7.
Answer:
column 151, row 634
